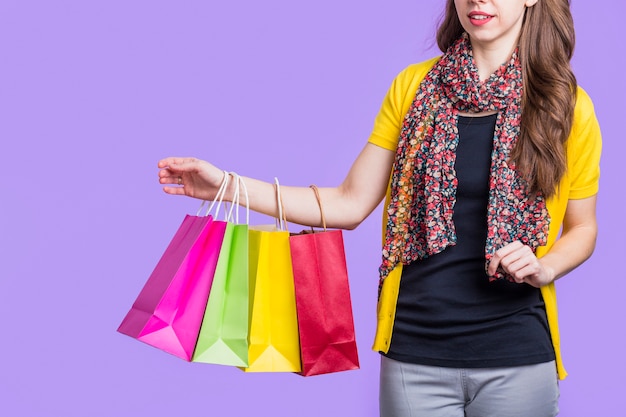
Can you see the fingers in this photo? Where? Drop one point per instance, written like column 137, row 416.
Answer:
column 189, row 176
column 170, row 173
column 174, row 180
column 173, row 169
column 176, row 163
column 174, row 190
column 500, row 254
column 168, row 177
column 517, row 260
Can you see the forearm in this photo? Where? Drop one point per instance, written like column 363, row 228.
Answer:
column 343, row 209
column 345, row 206
column 577, row 241
column 299, row 203
column 573, row 248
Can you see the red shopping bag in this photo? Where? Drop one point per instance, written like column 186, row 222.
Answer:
column 168, row 311
column 324, row 308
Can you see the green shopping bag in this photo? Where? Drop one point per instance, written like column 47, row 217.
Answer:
column 223, row 337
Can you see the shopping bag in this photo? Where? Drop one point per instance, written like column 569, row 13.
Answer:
column 223, row 337
column 168, row 311
column 274, row 343
column 325, row 319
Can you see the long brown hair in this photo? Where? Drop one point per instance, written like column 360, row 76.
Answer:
column 546, row 46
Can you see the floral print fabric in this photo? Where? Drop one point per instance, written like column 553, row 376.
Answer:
column 423, row 180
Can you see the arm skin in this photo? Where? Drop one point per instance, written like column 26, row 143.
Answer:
column 345, row 206
column 574, row 246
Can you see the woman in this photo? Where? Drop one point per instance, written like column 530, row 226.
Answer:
column 484, row 155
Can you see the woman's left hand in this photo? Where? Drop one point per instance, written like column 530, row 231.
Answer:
column 519, row 261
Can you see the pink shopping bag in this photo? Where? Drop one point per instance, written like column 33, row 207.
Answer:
column 168, row 311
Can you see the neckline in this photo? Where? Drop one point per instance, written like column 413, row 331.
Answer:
column 490, row 118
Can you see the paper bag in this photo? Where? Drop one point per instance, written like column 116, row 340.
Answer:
column 325, row 319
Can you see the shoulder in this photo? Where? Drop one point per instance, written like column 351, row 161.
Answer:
column 406, row 83
column 584, row 148
column 584, row 105
column 417, row 71
column 397, row 102
column 585, row 124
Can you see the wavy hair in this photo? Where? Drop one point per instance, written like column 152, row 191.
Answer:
column 546, row 45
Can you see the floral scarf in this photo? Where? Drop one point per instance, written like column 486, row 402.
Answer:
column 423, row 180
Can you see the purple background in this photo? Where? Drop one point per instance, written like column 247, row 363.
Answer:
column 93, row 93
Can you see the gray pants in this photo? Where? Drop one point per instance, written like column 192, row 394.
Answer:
column 409, row 390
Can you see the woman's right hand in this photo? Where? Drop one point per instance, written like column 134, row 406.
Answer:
column 190, row 176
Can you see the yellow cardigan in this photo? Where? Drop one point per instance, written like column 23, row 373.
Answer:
column 581, row 181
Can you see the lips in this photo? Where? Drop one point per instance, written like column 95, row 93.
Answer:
column 479, row 18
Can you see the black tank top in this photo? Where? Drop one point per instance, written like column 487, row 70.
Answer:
column 448, row 313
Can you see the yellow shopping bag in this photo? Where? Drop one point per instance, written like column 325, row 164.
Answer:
column 274, row 344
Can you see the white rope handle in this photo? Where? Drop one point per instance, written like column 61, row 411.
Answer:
column 281, row 222
column 219, row 197
column 239, row 186
column 235, row 200
column 245, row 193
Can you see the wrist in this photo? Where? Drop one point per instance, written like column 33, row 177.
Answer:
column 550, row 274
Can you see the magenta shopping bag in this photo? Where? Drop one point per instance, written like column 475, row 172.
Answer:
column 168, row 312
